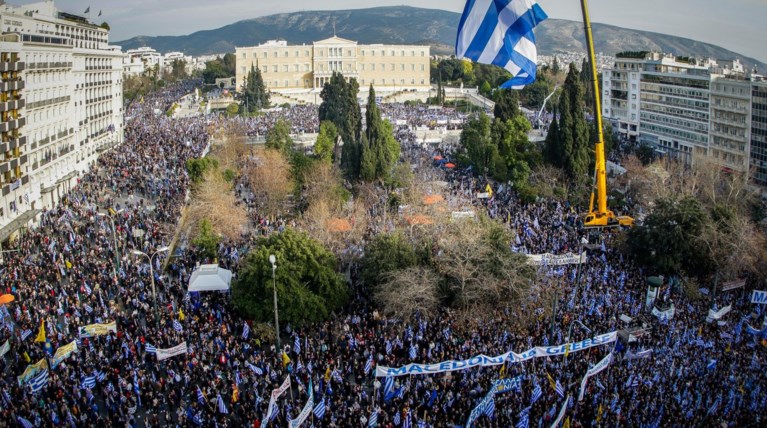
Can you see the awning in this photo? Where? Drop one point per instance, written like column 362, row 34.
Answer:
column 210, row 278
column 17, row 223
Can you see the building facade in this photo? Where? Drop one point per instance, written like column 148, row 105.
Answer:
column 287, row 68
column 65, row 83
column 620, row 95
column 758, row 148
column 730, row 126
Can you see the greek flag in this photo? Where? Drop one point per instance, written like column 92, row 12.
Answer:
column 150, row 349
column 413, row 352
column 245, row 331
column 524, row 422
column 369, row 364
column 500, row 32
column 88, row 382
column 711, row 364
column 537, row 393
column 87, row 308
column 388, row 347
column 25, row 423
column 396, row 419
column 373, row 421
column 389, row 389
column 221, row 406
column 490, row 408
column 38, row 382
column 560, row 390
column 200, row 396
column 177, row 326
column 337, row 377
column 100, row 376
column 25, row 334
column 255, row 369
column 319, row 409
column 297, row 345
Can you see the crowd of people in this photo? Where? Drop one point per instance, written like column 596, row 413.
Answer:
column 80, row 267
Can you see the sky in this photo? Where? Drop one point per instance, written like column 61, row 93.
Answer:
column 737, row 25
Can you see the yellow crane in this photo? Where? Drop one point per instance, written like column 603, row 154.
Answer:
column 601, row 216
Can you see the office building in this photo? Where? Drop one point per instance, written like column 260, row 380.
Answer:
column 758, row 146
column 730, row 123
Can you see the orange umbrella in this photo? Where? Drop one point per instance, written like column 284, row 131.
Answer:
column 6, row 298
column 438, row 157
column 450, row 165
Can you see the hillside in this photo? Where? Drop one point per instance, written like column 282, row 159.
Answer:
column 404, row 24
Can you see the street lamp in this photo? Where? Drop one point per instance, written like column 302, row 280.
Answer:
column 116, row 266
column 584, row 241
column 151, row 274
column 273, row 261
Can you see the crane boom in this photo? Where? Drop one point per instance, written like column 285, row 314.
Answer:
column 601, row 217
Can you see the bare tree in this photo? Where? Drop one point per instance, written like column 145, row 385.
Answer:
column 409, row 290
column 268, row 174
column 214, row 199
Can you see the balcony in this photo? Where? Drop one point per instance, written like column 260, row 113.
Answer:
column 12, row 105
column 12, row 66
column 12, row 86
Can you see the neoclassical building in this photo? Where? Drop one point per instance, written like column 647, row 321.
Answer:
column 298, row 68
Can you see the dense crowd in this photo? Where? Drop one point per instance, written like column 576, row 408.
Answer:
column 73, row 271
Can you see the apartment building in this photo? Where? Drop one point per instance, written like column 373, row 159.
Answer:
column 296, row 68
column 620, row 88
column 61, row 102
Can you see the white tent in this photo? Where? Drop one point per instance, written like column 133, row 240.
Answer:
column 210, row 278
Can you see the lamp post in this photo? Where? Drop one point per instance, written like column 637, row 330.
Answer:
column 151, row 274
column 116, row 266
column 273, row 261
column 584, row 241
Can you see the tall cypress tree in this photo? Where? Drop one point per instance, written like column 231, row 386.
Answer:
column 339, row 105
column 573, row 128
column 380, row 150
column 254, row 97
column 552, row 151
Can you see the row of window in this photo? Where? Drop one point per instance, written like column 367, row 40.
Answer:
column 297, row 83
column 332, row 52
column 334, row 66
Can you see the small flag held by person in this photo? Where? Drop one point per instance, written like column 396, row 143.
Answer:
column 177, row 326
column 221, row 406
column 200, row 396
column 501, row 33
column 245, row 331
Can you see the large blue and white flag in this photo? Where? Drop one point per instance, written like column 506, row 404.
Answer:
column 500, row 32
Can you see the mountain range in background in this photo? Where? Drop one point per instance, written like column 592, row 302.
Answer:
column 410, row 25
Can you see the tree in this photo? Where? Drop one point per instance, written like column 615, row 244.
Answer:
column 552, row 152
column 485, row 89
column 384, row 255
column 506, row 104
column 410, row 290
column 308, row 286
column 479, row 267
column 206, row 240
column 269, row 176
column 476, row 140
column 380, row 151
column 667, row 239
column 213, row 201
column 555, row 66
column 254, row 94
column 196, row 168
column 232, row 109
column 278, row 137
column 340, row 106
column 326, row 141
column 573, row 136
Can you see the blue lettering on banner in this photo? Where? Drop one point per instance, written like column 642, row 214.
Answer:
column 485, row 361
column 759, row 297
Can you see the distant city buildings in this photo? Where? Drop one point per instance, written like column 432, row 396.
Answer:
column 690, row 108
column 61, row 105
column 301, row 68
column 146, row 59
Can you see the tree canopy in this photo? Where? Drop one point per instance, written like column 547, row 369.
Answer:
column 380, row 151
column 308, row 286
column 340, row 106
column 278, row 137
